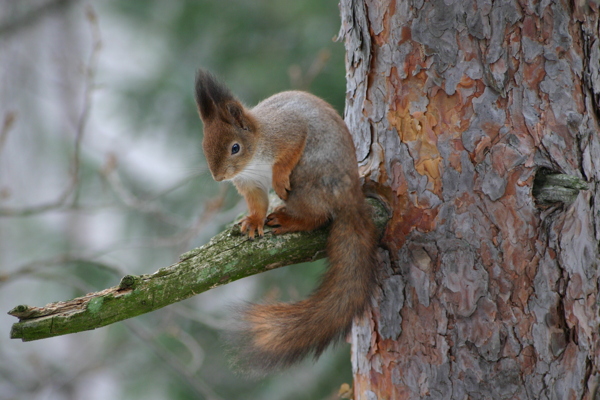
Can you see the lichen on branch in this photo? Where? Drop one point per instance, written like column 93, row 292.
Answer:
column 227, row 257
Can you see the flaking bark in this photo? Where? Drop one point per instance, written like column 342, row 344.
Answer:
column 456, row 107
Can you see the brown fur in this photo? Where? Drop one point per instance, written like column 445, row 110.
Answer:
column 258, row 202
column 296, row 143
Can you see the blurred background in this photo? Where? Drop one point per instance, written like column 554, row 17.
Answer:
column 102, row 175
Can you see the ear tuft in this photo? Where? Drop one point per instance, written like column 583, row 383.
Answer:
column 210, row 94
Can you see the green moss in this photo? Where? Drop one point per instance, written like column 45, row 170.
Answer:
column 225, row 259
column 95, row 305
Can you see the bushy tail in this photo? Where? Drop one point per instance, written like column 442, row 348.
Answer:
column 273, row 336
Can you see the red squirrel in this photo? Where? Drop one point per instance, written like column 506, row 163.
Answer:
column 297, row 144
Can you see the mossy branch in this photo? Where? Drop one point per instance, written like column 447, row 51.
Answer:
column 550, row 187
column 227, row 257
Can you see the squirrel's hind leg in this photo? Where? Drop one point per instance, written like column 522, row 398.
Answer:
column 282, row 221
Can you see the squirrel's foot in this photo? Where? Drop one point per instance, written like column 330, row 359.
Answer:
column 252, row 224
column 280, row 220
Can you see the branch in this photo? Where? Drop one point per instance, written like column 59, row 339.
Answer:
column 12, row 26
column 89, row 75
column 227, row 257
column 550, row 188
column 9, row 121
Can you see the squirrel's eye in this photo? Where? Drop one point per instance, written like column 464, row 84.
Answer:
column 235, row 148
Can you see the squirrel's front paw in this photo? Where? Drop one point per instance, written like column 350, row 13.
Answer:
column 282, row 186
column 251, row 224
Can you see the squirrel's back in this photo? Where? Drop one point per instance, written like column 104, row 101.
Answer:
column 328, row 164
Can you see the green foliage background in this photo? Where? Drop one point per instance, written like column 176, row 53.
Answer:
column 143, row 129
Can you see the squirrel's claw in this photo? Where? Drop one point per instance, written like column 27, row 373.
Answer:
column 282, row 188
column 252, row 224
column 277, row 219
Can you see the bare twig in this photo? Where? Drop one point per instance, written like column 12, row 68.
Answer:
column 196, row 173
column 130, row 200
column 89, row 75
column 17, row 23
column 191, row 344
column 212, row 206
column 194, row 381
column 302, row 81
column 204, row 319
column 35, row 266
column 9, row 122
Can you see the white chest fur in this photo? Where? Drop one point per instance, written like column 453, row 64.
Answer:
column 257, row 173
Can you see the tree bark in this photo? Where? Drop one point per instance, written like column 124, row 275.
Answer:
column 456, row 107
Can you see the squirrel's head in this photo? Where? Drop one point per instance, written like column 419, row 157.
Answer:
column 229, row 130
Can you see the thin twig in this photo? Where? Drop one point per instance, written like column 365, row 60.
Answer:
column 204, row 319
column 211, row 207
column 302, row 81
column 17, row 23
column 194, row 381
column 191, row 344
column 34, row 267
column 130, row 200
column 89, row 75
column 88, row 89
column 181, row 240
column 183, row 181
column 9, row 121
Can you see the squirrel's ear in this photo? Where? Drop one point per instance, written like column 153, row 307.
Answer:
column 238, row 116
column 210, row 94
column 216, row 101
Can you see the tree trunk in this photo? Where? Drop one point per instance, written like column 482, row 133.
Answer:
column 456, row 106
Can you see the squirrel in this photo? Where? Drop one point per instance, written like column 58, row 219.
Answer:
column 297, row 144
